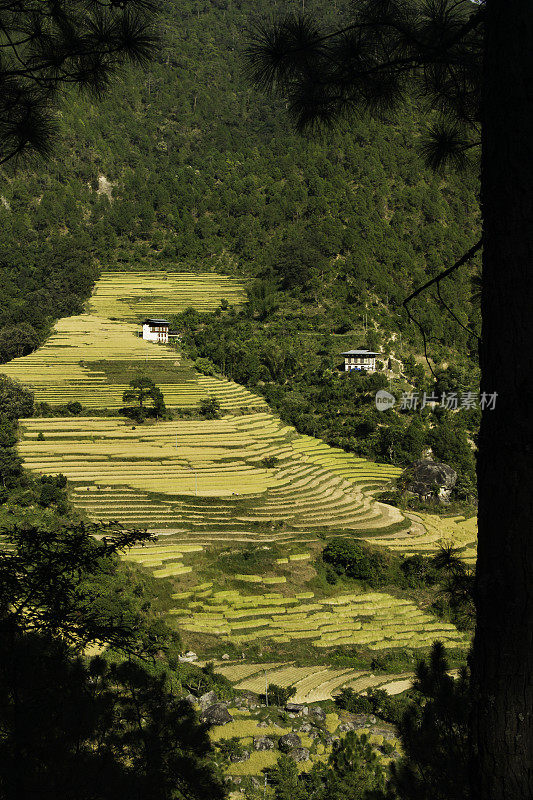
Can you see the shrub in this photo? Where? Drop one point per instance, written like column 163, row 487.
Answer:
column 205, row 366
column 52, row 491
column 355, row 560
column 209, row 408
column 142, row 390
column 375, row 701
column 15, row 400
column 269, row 461
column 278, row 695
column 230, row 749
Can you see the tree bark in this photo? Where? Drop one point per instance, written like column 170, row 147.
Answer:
column 502, row 664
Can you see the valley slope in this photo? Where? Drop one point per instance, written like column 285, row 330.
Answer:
column 241, row 505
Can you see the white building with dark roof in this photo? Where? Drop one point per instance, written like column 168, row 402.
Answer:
column 155, row 330
column 360, row 359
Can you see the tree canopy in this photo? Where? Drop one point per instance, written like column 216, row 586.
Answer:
column 48, row 46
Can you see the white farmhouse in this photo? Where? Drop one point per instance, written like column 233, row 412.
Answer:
column 360, row 359
column 155, row 330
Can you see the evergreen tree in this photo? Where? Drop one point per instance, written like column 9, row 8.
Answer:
column 434, row 735
column 48, row 47
column 140, row 392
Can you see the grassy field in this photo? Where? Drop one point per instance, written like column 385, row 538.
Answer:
column 134, row 295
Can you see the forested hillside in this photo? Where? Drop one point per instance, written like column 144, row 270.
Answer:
column 183, row 165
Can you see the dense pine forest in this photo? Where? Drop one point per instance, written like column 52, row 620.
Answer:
column 183, row 166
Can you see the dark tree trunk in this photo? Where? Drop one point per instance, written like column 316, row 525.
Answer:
column 502, row 667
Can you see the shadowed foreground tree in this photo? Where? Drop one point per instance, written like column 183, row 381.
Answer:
column 434, row 735
column 353, row 770
column 75, row 729
column 471, row 63
column 48, row 45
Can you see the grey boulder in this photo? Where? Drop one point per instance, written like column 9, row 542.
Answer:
column 244, row 756
column 263, row 743
column 317, row 714
column 288, row 742
column 217, row 714
column 207, row 699
column 428, row 478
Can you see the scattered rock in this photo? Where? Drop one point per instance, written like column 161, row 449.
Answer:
column 317, row 713
column 207, row 699
column 191, row 699
column 346, row 726
column 263, row 724
column 244, row 756
column 306, row 728
column 225, row 657
column 217, row 714
column 294, row 708
column 288, row 742
column 300, row 754
column 263, row 743
column 360, row 720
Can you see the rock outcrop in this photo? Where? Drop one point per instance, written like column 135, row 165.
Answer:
column 427, row 478
column 217, row 714
column 207, row 699
column 263, row 743
column 288, row 742
column 300, row 754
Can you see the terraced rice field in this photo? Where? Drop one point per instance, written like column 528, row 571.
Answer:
column 312, row 683
column 68, row 367
column 134, row 295
column 164, row 560
column 430, row 531
column 161, row 475
column 374, row 620
column 203, row 482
